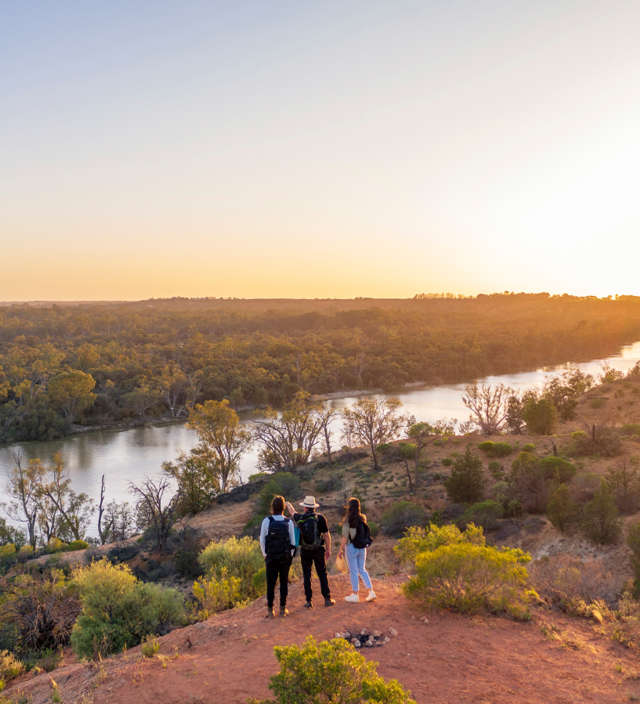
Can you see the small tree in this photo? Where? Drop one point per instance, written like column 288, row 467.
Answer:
column 466, row 483
column 373, row 422
column 154, row 510
column 540, row 415
column 71, row 391
column 25, row 485
column 600, row 520
column 424, row 434
column 488, row 405
column 223, row 440
column 288, row 439
column 633, row 541
column 562, row 509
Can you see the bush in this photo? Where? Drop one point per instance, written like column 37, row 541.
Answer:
column 10, row 668
column 484, row 513
column 329, row 484
column 496, row 470
column 529, row 447
column 466, row 483
column 403, row 514
column 540, row 415
column 55, row 545
column 118, row 610
column 562, row 510
column 470, row 578
column 283, row 484
column 600, row 520
column 496, row 449
column 330, row 671
column 603, row 441
column 150, row 646
column 78, row 545
column 633, row 541
column 234, row 574
column 532, row 479
column 632, row 429
column 418, row 539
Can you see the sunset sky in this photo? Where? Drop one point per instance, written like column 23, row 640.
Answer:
column 272, row 149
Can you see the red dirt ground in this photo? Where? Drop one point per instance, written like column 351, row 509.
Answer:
column 444, row 659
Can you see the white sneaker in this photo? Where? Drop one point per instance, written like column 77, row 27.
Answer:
column 371, row 596
column 353, row 598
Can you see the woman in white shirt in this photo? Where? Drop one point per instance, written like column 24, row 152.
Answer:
column 356, row 556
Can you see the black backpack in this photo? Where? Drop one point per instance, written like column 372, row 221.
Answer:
column 277, row 543
column 363, row 536
column 309, row 534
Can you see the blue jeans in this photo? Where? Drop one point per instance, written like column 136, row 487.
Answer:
column 356, row 557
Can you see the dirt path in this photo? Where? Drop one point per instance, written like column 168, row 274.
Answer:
column 446, row 659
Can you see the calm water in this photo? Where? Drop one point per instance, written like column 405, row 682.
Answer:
column 129, row 455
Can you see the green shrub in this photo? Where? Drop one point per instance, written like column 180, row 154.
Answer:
column 234, row 574
column 283, row 484
column 330, row 671
column 417, row 539
column 466, row 483
column 496, row 449
column 557, row 469
column 10, row 668
column 633, row 541
column 150, row 646
column 400, row 516
column 78, row 545
column 118, row 610
column 540, row 415
column 329, row 484
column 631, row 429
column 484, row 513
column 446, row 461
column 55, row 545
column 562, row 510
column 469, row 578
column 600, row 521
column 529, row 447
column 496, row 470
column 532, row 479
column 603, row 441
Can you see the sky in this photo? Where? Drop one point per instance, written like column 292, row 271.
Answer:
column 305, row 149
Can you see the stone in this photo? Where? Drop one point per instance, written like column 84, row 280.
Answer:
column 393, row 632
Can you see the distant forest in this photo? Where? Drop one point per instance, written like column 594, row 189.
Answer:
column 105, row 363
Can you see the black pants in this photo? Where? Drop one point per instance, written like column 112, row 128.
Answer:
column 277, row 568
column 315, row 557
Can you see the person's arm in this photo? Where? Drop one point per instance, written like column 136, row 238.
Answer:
column 327, row 545
column 343, row 542
column 289, row 509
column 292, row 537
column 263, row 535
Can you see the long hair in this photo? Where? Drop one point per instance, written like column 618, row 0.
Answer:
column 353, row 515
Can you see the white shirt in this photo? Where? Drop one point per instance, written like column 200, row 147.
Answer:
column 264, row 529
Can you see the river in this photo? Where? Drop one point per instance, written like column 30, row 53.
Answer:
column 130, row 455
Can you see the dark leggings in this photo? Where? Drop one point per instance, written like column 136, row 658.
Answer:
column 308, row 558
column 277, row 568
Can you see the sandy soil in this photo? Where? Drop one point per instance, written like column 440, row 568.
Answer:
column 442, row 658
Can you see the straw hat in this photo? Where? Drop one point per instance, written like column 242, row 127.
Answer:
column 310, row 502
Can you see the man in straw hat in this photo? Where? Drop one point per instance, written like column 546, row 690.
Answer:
column 315, row 547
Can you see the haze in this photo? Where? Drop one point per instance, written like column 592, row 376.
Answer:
column 318, row 149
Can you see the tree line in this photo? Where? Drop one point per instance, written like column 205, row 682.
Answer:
column 96, row 364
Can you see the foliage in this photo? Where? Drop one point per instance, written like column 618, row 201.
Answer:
column 539, row 414
column 38, row 613
column 222, row 440
column 633, row 541
column 10, row 668
column 280, row 484
column 418, row 539
column 234, row 574
column 330, row 671
column 118, row 610
column 600, row 520
column 469, row 578
column 160, row 357
column 466, row 483
column 484, row 513
column 532, row 479
column 602, row 440
column 496, row 449
column 400, row 515
column 197, row 483
column 150, row 646
column 624, row 482
column 562, row 509
column 155, row 512
column 288, row 439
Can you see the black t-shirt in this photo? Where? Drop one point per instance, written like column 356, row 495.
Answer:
column 322, row 521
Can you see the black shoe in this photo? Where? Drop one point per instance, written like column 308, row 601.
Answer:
column 329, row 601
column 308, row 605
column 284, row 611
column 270, row 613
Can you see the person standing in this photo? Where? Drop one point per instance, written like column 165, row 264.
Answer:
column 277, row 542
column 315, row 548
column 356, row 538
